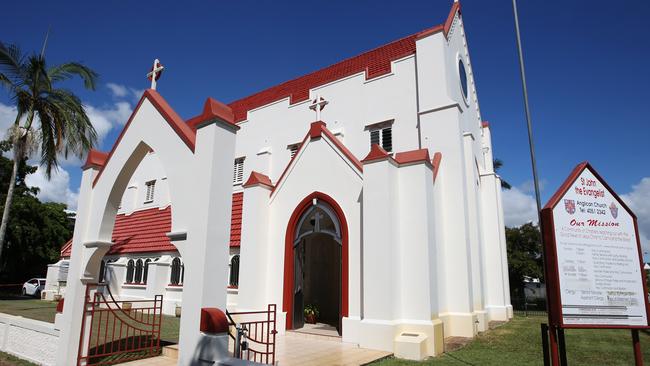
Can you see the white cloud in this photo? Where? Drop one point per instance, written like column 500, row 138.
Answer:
column 529, row 186
column 518, row 207
column 639, row 202
column 57, row 189
column 119, row 91
column 125, row 92
column 103, row 119
column 7, row 118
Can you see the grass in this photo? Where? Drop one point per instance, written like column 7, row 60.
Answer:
column 28, row 307
column 515, row 343
column 9, row 360
column 519, row 343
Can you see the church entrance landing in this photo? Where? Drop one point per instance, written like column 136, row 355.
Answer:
column 316, row 267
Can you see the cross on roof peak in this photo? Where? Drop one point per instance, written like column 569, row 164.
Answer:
column 317, row 105
column 154, row 74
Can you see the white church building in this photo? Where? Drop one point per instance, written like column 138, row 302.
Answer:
column 366, row 189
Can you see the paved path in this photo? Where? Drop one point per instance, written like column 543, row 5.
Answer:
column 295, row 349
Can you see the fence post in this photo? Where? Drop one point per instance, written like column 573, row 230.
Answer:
column 544, row 327
column 562, row 346
column 638, row 356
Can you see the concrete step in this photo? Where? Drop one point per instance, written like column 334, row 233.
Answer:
column 308, row 335
column 171, row 351
column 153, row 361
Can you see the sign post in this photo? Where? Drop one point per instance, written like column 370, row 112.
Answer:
column 595, row 276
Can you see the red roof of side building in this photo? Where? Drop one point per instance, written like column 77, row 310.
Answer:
column 146, row 231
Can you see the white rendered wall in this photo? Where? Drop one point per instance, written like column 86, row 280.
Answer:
column 29, row 339
column 318, row 167
column 354, row 103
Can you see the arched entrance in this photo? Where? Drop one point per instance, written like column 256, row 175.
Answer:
column 316, row 262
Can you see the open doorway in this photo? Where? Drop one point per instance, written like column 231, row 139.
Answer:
column 317, row 270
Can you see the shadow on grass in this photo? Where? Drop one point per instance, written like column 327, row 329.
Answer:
column 452, row 356
column 125, row 349
column 15, row 296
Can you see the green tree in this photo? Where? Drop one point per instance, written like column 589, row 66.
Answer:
column 524, row 256
column 35, row 230
column 498, row 164
column 50, row 120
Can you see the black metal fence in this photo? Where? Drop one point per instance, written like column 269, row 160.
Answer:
column 524, row 306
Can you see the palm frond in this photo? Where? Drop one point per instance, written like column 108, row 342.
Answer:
column 6, row 82
column 65, row 127
column 11, row 60
column 497, row 163
column 70, row 69
column 37, row 79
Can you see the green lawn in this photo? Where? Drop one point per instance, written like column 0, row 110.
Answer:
column 515, row 343
column 28, row 308
column 9, row 360
column 519, row 343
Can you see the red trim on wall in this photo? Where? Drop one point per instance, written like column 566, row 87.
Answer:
column 287, row 297
column 376, row 153
column 414, row 156
column 442, row 27
column 59, row 305
column 437, row 159
column 175, row 121
column 95, row 159
column 258, row 178
column 485, row 124
column 212, row 109
column 317, row 130
column 213, row 321
column 339, row 145
column 450, row 18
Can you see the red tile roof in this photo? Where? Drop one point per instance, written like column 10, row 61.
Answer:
column 145, row 231
column 235, row 219
column 374, row 63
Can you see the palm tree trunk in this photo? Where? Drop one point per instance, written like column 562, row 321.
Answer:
column 9, row 199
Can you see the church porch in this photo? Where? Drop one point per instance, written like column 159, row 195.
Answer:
column 295, row 349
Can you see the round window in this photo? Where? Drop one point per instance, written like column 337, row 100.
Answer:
column 463, row 78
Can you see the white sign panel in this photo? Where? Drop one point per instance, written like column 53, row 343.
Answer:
column 597, row 257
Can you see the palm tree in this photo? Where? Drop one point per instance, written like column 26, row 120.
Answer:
column 51, row 121
column 497, row 163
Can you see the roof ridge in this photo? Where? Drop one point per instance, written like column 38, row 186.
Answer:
column 326, row 67
column 291, row 87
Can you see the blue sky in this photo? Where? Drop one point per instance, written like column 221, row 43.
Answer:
column 585, row 61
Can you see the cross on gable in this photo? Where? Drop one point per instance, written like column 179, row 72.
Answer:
column 318, row 105
column 155, row 73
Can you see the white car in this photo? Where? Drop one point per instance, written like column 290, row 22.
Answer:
column 34, row 287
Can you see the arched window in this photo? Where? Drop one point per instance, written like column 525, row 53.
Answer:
column 102, row 271
column 146, row 270
column 182, row 273
column 234, row 271
column 138, row 271
column 129, row 271
column 176, row 278
column 319, row 218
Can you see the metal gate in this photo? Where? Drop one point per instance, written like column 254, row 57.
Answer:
column 118, row 331
column 254, row 335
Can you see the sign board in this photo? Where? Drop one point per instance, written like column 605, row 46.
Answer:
column 595, row 275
